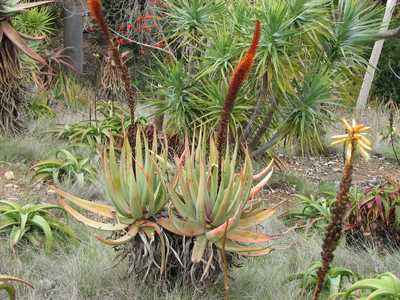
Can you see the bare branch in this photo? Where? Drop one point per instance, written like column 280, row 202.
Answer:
column 389, row 34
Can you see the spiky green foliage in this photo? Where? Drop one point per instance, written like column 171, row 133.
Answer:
column 171, row 91
column 309, row 112
column 331, row 36
column 134, row 187
column 314, row 212
column 11, row 41
column 383, row 286
column 188, row 21
column 37, row 22
column 65, row 167
column 33, row 223
column 203, row 208
column 338, row 279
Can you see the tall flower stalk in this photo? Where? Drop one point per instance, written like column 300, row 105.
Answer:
column 96, row 11
column 238, row 77
column 353, row 139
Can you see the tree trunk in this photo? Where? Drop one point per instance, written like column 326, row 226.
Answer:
column 73, row 33
column 267, row 120
column 257, row 110
column 373, row 62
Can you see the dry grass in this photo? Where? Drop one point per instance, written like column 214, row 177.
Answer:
column 85, row 272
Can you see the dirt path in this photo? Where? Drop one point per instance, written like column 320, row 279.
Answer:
column 329, row 168
column 15, row 183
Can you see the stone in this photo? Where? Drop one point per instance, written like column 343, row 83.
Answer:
column 9, row 175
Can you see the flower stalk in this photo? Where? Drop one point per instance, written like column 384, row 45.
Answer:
column 238, row 77
column 96, row 11
column 353, row 139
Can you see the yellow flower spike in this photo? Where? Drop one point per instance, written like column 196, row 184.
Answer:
column 355, row 136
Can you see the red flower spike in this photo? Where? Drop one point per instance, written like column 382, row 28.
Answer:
column 96, row 11
column 239, row 75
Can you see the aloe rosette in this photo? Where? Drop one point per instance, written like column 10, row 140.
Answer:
column 203, row 208
column 135, row 188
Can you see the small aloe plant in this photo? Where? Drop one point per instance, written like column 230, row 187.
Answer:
column 337, row 279
column 31, row 222
column 6, row 284
column 65, row 167
column 384, row 286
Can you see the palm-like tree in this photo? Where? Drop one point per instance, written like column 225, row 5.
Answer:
column 300, row 40
column 11, row 42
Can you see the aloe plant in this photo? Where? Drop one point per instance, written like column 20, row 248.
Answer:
column 205, row 209
column 384, row 286
column 337, row 279
column 65, row 167
column 137, row 194
column 31, row 222
column 12, row 41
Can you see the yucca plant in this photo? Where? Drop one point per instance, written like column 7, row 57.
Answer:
column 6, row 284
column 38, row 22
column 204, row 209
column 172, row 88
column 11, row 41
column 66, row 167
column 209, row 96
column 188, row 21
column 32, row 223
column 138, row 197
column 307, row 114
column 385, row 286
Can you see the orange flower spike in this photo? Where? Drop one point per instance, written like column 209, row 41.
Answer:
column 96, row 11
column 244, row 66
column 239, row 75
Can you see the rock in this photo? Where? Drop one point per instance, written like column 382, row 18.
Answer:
column 11, row 186
column 9, row 175
column 51, row 192
column 37, row 186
